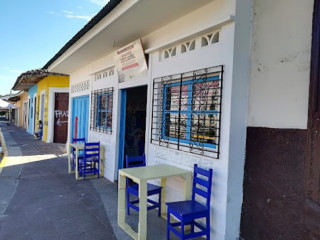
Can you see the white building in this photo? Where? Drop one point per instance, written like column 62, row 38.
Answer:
column 221, row 48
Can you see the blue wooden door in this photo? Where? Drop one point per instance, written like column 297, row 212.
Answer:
column 80, row 109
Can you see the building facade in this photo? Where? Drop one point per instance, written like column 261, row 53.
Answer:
column 281, row 183
column 33, row 108
column 48, row 101
column 52, row 107
column 21, row 113
column 225, row 84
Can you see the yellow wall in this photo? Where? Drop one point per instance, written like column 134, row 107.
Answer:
column 45, row 84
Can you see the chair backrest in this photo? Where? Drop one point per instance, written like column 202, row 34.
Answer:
column 78, row 140
column 92, row 150
column 136, row 161
column 202, row 181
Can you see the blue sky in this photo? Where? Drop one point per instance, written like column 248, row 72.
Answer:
column 33, row 31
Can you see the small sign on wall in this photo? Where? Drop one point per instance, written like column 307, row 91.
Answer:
column 130, row 61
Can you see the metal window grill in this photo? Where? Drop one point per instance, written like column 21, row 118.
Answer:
column 101, row 110
column 186, row 111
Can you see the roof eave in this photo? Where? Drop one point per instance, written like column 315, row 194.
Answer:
column 28, row 79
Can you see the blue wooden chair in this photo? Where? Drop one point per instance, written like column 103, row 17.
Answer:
column 73, row 152
column 133, row 188
column 90, row 163
column 187, row 212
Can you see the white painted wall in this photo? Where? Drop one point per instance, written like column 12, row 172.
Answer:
column 232, row 51
column 280, row 63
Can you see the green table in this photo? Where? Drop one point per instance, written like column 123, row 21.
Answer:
column 141, row 175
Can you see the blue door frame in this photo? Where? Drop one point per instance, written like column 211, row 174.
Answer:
column 122, row 134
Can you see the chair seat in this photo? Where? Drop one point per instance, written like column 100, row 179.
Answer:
column 82, row 160
column 184, row 208
column 152, row 189
column 80, row 155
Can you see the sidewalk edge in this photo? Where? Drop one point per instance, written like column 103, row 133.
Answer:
column 4, row 149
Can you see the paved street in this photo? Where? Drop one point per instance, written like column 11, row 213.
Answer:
column 40, row 200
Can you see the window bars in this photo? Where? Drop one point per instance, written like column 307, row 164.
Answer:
column 186, row 111
column 101, row 110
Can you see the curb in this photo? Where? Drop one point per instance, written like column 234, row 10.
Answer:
column 4, row 149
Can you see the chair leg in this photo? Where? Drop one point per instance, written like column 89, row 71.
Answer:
column 208, row 226
column 159, row 208
column 192, row 226
column 98, row 168
column 84, row 170
column 182, row 230
column 168, row 224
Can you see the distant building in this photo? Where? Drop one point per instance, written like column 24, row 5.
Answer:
column 48, row 100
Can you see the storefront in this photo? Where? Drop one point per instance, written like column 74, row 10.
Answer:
column 48, row 101
column 213, row 72
column 186, row 56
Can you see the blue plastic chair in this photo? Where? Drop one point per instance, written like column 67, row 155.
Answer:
column 90, row 163
column 132, row 188
column 187, row 212
column 73, row 152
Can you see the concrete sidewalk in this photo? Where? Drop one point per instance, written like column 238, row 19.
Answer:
column 40, row 200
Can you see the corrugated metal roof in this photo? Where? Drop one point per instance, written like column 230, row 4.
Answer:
column 31, row 77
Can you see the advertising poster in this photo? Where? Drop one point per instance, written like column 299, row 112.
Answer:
column 130, row 61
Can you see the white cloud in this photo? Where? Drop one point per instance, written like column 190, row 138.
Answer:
column 68, row 12
column 88, row 18
column 100, row 2
column 51, row 12
column 13, row 70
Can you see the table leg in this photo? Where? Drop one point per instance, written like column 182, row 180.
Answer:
column 188, row 186
column 163, row 197
column 69, row 160
column 101, row 161
column 121, row 200
column 142, row 227
column 77, row 167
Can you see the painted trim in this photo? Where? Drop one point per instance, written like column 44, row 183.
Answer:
column 123, row 107
column 213, row 26
column 108, row 67
column 72, row 100
column 41, row 113
column 34, row 119
column 27, row 112
column 189, row 112
column 98, row 124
